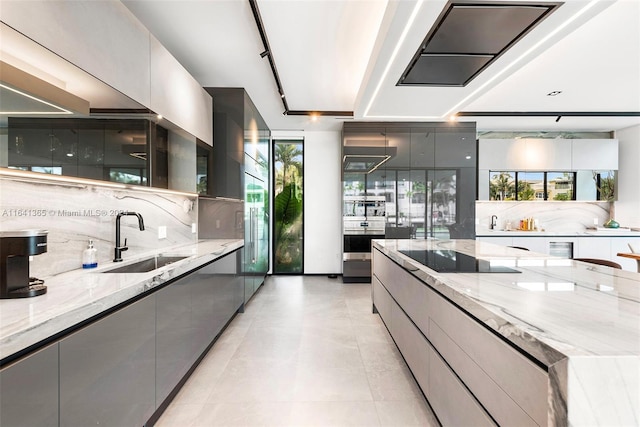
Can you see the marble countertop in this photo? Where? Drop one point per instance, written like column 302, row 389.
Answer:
column 75, row 296
column 553, row 309
column 585, row 233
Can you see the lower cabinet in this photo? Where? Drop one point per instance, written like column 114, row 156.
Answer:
column 191, row 312
column 29, row 390
column 605, row 247
column 107, row 369
column 173, row 337
column 117, row 371
column 465, row 371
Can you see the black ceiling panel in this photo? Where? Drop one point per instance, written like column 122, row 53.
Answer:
column 467, row 37
column 445, row 70
column 487, row 29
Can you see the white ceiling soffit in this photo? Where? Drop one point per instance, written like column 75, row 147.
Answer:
column 382, row 99
column 347, row 55
column 321, row 48
column 596, row 69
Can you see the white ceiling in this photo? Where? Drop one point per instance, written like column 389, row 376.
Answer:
column 347, row 55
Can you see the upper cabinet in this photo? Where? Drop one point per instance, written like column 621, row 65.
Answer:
column 242, row 141
column 547, row 169
column 416, row 176
column 594, row 154
column 105, row 40
column 547, row 154
column 138, row 123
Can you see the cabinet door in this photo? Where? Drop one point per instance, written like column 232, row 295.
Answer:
column 594, row 154
column 502, row 241
column 593, row 247
column 174, row 351
column 256, row 247
column 29, row 390
column 455, row 148
column 107, row 369
column 218, row 284
column 450, row 399
column 204, row 285
column 534, row 244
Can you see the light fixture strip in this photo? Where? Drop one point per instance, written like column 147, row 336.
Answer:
column 401, row 40
column 41, row 177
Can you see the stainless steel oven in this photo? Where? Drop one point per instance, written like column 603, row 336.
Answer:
column 356, row 258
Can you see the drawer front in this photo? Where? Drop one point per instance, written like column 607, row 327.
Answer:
column 382, row 265
column 382, row 301
column 356, row 268
column 410, row 293
column 523, row 381
column 450, row 399
column 503, row 409
column 413, row 346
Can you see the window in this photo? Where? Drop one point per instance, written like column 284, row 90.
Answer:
column 517, row 185
column 288, row 163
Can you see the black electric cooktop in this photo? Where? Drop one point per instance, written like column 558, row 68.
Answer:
column 447, row 261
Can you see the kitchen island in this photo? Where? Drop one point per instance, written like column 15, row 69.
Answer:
column 539, row 341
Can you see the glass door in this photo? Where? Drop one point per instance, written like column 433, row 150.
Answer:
column 256, row 209
column 288, row 241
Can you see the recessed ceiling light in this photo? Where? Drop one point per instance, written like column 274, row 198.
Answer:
column 467, row 157
column 554, row 93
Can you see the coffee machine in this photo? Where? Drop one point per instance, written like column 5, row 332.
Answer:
column 15, row 249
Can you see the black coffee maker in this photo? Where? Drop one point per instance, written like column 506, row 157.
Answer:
column 15, row 249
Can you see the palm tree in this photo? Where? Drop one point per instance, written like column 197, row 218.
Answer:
column 501, row 185
column 287, row 154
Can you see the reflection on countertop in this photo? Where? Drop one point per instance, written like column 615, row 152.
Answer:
column 553, row 308
column 78, row 295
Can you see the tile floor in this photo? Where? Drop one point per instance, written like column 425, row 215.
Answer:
column 306, row 352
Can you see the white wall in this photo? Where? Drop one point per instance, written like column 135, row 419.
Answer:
column 628, row 205
column 322, row 200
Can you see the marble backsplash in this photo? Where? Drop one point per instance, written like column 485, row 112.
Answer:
column 73, row 213
column 552, row 216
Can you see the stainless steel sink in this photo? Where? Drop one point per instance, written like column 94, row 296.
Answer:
column 146, row 265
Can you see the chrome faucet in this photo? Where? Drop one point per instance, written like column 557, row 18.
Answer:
column 494, row 222
column 119, row 249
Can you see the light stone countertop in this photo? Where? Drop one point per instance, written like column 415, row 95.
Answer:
column 553, row 309
column 585, row 233
column 78, row 295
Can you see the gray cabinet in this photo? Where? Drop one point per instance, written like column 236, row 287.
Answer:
column 29, row 390
column 465, row 371
column 428, row 182
column 228, row 137
column 191, row 312
column 107, row 369
column 242, row 142
column 173, row 336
